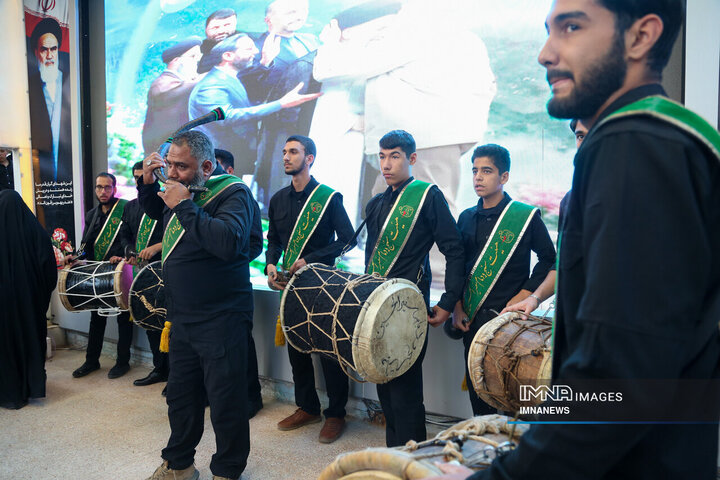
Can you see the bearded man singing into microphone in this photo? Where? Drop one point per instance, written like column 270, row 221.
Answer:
column 205, row 253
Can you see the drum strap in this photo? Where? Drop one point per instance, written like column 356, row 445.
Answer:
column 398, row 226
column 109, row 231
column 174, row 231
column 306, row 223
column 496, row 253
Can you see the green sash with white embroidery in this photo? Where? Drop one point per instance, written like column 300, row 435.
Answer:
column 398, row 227
column 109, row 231
column 674, row 113
column 174, row 231
column 306, row 223
column 145, row 231
column 496, row 253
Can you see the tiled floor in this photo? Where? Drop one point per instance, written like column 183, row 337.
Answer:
column 96, row 428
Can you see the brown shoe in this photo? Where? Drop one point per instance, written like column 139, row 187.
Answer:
column 163, row 472
column 298, row 419
column 332, row 430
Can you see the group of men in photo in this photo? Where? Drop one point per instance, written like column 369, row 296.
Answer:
column 252, row 76
column 637, row 277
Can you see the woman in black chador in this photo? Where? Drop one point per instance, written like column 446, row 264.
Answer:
column 28, row 275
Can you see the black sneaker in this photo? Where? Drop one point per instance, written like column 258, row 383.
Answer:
column 85, row 368
column 118, row 370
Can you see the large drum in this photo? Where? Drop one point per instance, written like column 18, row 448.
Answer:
column 147, row 297
column 473, row 443
column 373, row 326
column 101, row 286
column 507, row 352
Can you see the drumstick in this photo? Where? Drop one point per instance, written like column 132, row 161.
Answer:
column 131, row 253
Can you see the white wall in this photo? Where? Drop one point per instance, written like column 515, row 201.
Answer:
column 702, row 58
column 15, row 119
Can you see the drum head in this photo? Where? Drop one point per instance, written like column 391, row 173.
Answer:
column 122, row 283
column 62, row 288
column 390, row 331
column 506, row 352
column 379, row 463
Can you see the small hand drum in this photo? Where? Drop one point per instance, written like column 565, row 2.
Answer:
column 147, row 298
column 474, row 443
column 509, row 351
column 374, row 327
column 92, row 285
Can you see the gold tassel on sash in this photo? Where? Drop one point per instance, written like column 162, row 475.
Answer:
column 165, row 338
column 464, row 386
column 279, row 334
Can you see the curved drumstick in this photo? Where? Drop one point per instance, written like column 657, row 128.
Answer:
column 215, row 115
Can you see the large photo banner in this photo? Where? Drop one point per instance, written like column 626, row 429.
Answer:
column 454, row 74
column 47, row 36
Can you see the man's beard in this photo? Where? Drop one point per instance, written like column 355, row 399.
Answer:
column 198, row 180
column 294, row 172
column 104, row 203
column 243, row 65
column 601, row 81
column 48, row 73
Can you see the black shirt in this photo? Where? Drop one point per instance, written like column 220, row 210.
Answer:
column 477, row 223
column 323, row 246
column 92, row 230
column 132, row 216
column 638, row 298
column 6, row 176
column 434, row 224
column 208, row 272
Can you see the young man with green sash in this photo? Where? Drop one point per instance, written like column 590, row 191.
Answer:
column 308, row 224
column 498, row 235
column 102, row 242
column 206, row 249
column 143, row 235
column 638, row 298
column 403, row 223
column 547, row 287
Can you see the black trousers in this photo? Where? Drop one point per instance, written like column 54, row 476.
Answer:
column 96, row 336
column 306, row 397
column 160, row 359
column 403, row 404
column 479, row 407
column 209, row 358
column 253, row 388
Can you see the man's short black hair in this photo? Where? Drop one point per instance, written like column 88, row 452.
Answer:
column 225, row 158
column 499, row 156
column 398, row 139
column 228, row 44
column 306, row 142
column 220, row 14
column 108, row 175
column 137, row 166
column 671, row 12
column 573, row 124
